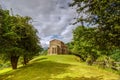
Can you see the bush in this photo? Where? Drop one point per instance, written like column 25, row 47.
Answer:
column 89, row 60
column 107, row 62
column 116, row 55
column 102, row 61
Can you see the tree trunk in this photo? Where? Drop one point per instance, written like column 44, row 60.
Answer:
column 14, row 61
column 25, row 60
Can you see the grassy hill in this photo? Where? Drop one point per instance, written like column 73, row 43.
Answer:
column 57, row 67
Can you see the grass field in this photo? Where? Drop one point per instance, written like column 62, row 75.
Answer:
column 57, row 67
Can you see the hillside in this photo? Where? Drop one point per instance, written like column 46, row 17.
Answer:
column 57, row 67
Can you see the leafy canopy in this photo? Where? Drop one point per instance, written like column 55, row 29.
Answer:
column 105, row 15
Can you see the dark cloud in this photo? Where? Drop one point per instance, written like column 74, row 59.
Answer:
column 51, row 18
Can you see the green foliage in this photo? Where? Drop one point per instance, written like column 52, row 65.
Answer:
column 105, row 15
column 103, row 39
column 108, row 62
column 70, row 47
column 83, row 43
column 102, row 12
column 3, row 63
column 116, row 55
column 18, row 37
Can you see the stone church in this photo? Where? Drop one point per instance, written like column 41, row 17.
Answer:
column 57, row 47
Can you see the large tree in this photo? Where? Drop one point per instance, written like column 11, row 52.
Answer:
column 29, row 40
column 84, row 43
column 18, row 37
column 105, row 15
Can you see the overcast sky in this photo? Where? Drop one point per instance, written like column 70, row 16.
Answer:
column 52, row 18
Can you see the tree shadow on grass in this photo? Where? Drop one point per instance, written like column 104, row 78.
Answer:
column 40, row 59
column 38, row 71
column 83, row 78
column 44, row 70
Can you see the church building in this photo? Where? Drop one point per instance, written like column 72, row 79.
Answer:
column 57, row 47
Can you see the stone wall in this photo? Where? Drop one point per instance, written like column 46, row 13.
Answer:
column 57, row 47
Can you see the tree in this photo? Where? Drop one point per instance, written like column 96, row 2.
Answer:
column 70, row 47
column 18, row 38
column 105, row 14
column 83, row 43
column 29, row 40
column 10, row 38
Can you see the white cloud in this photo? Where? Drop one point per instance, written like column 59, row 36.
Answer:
column 52, row 18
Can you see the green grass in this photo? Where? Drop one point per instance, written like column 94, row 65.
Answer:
column 57, row 67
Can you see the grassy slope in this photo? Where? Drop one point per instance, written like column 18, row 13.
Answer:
column 57, row 67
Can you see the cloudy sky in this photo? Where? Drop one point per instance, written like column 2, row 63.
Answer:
column 52, row 18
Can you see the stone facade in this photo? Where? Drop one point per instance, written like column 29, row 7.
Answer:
column 57, row 47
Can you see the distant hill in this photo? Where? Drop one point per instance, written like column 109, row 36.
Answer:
column 57, row 67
